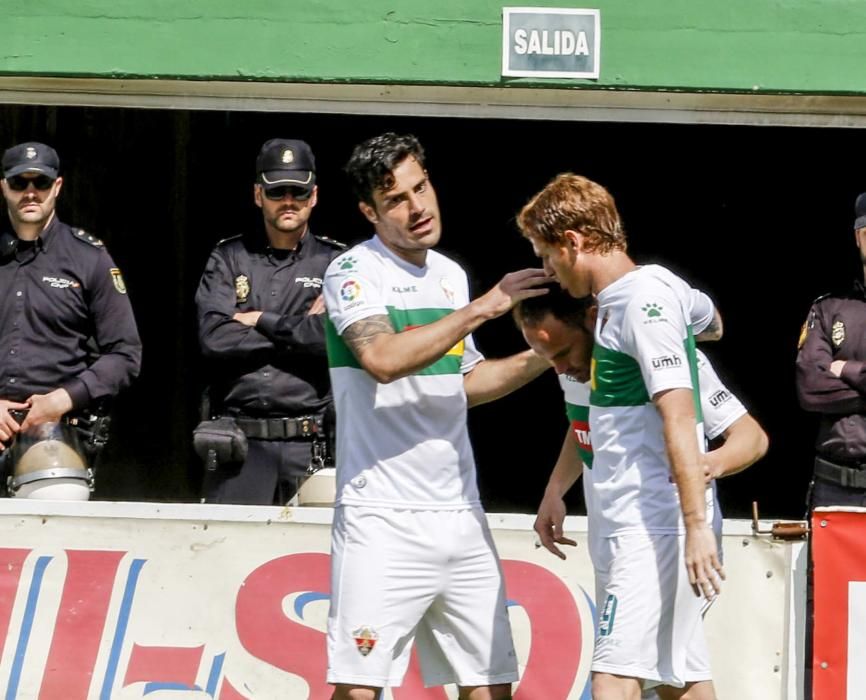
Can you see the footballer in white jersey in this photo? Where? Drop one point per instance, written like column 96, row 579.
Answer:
column 412, row 558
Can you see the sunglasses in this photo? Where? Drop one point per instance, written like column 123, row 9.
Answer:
column 19, row 183
column 300, row 194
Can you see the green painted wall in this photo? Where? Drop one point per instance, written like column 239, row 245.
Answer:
column 693, row 45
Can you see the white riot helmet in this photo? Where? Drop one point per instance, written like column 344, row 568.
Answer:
column 47, row 463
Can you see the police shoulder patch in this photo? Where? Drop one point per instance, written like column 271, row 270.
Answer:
column 804, row 333
column 331, row 242
column 81, row 235
column 117, row 279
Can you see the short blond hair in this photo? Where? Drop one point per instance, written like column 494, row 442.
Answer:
column 572, row 202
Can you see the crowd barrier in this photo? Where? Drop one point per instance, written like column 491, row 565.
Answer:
column 170, row 601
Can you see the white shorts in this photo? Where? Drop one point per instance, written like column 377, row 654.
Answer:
column 650, row 622
column 429, row 576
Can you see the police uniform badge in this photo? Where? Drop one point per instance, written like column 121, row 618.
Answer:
column 804, row 333
column 837, row 333
column 117, row 278
column 242, row 288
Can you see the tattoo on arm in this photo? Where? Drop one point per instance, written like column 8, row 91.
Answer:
column 712, row 332
column 361, row 333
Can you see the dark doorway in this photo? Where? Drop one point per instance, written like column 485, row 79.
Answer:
column 760, row 217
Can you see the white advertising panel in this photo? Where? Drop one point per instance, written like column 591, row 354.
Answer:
column 122, row 601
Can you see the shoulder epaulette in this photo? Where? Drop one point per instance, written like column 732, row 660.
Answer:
column 229, row 239
column 331, row 242
column 82, row 235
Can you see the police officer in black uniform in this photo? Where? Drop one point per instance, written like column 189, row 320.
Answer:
column 261, row 326
column 831, row 381
column 68, row 338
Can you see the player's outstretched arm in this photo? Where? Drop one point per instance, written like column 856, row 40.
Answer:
column 551, row 512
column 389, row 356
column 492, row 379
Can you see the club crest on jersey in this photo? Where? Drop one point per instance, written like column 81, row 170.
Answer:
column 365, row 639
column 117, row 279
column 450, row 294
column 242, row 288
column 837, row 333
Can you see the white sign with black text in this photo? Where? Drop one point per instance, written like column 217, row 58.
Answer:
column 550, row 42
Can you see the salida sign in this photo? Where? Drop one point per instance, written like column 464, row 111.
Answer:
column 79, row 642
column 550, row 42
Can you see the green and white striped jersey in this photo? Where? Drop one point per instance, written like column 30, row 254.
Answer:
column 721, row 409
column 404, row 444
column 643, row 346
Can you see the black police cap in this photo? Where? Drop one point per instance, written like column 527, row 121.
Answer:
column 30, row 157
column 286, row 162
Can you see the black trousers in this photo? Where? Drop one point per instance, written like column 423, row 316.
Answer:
column 270, row 475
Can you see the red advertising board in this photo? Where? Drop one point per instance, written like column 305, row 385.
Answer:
column 839, row 556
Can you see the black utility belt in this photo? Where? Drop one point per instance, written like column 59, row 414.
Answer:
column 849, row 477
column 282, row 428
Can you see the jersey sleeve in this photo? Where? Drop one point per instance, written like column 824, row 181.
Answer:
column 353, row 291
column 471, row 354
column 701, row 310
column 654, row 333
column 720, row 407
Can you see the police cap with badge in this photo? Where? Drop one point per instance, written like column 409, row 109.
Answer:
column 286, row 163
column 31, row 157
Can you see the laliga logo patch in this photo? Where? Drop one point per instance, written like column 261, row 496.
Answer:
column 350, row 290
column 288, row 156
column 365, row 639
